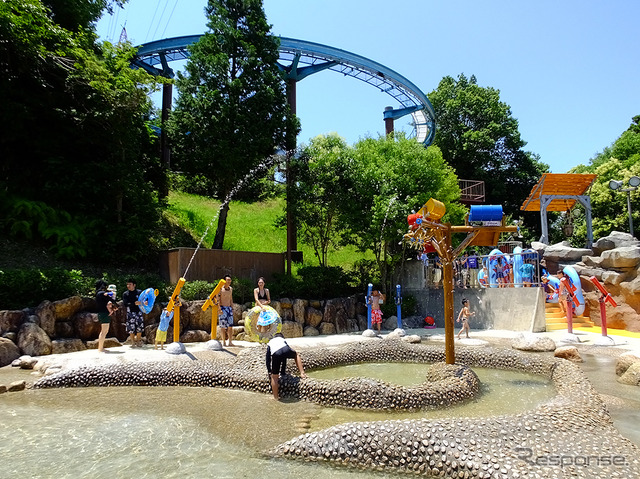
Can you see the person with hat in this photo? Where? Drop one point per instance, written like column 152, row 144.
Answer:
column 105, row 301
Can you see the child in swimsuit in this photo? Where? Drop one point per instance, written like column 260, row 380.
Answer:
column 465, row 314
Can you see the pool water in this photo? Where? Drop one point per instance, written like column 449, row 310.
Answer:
column 501, row 392
column 205, row 432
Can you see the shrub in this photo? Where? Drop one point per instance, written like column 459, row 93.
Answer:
column 195, row 290
column 409, row 303
column 23, row 288
column 325, row 282
column 242, row 290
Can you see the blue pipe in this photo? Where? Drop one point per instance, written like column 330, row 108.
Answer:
column 399, row 305
column 367, row 300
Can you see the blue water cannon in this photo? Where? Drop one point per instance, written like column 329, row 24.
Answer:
column 368, row 303
column 399, row 305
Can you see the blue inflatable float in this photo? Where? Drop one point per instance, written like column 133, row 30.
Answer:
column 517, row 265
column 147, row 298
column 575, row 282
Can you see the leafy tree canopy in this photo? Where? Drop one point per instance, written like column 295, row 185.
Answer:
column 320, row 174
column 231, row 114
column 609, row 211
column 78, row 155
column 479, row 138
column 385, row 179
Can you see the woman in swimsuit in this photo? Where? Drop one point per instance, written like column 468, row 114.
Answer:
column 261, row 294
column 262, row 297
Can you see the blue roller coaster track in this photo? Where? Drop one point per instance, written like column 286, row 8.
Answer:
column 299, row 59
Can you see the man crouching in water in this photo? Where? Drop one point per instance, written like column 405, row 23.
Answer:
column 278, row 351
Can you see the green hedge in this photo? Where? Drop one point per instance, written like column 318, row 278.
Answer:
column 24, row 288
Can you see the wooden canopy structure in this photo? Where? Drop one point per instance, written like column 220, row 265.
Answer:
column 560, row 192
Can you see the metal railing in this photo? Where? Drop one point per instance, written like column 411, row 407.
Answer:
column 466, row 278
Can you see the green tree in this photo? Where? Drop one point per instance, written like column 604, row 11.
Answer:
column 80, row 15
column 231, row 113
column 385, row 179
column 609, row 211
column 74, row 136
column 320, row 175
column 479, row 138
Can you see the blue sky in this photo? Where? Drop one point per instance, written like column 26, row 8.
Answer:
column 570, row 70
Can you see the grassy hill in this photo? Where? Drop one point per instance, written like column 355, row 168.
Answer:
column 250, row 227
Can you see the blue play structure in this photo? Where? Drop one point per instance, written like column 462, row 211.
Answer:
column 485, row 213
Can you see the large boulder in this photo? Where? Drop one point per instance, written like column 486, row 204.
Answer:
column 621, row 317
column 625, row 360
column 8, row 352
column 342, row 322
column 108, row 343
column 565, row 253
column 196, row 318
column 329, row 313
column 569, row 353
column 603, row 244
column 362, row 321
column 195, row 336
column 66, row 308
column 616, row 239
column 316, row 303
column 310, row 331
column 350, row 306
column 46, row 313
column 277, row 305
column 631, row 375
column 390, row 323
column 33, row 340
column 621, row 258
column 286, row 303
column 313, row 317
column 59, row 346
column 238, row 309
column 117, row 326
column 87, row 325
column 299, row 307
column 327, row 328
column 613, row 277
column 11, row 320
column 533, row 342
column 292, row 329
column 64, row 329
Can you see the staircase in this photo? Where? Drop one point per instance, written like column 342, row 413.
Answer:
column 557, row 321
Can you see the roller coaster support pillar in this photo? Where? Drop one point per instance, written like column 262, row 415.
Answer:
column 388, row 122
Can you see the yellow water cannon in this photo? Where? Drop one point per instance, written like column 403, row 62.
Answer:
column 213, row 303
column 175, row 298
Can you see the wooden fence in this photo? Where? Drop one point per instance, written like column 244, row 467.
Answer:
column 212, row 264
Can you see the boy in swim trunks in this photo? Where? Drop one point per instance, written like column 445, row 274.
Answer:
column 225, row 319
column 465, row 314
column 376, row 312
